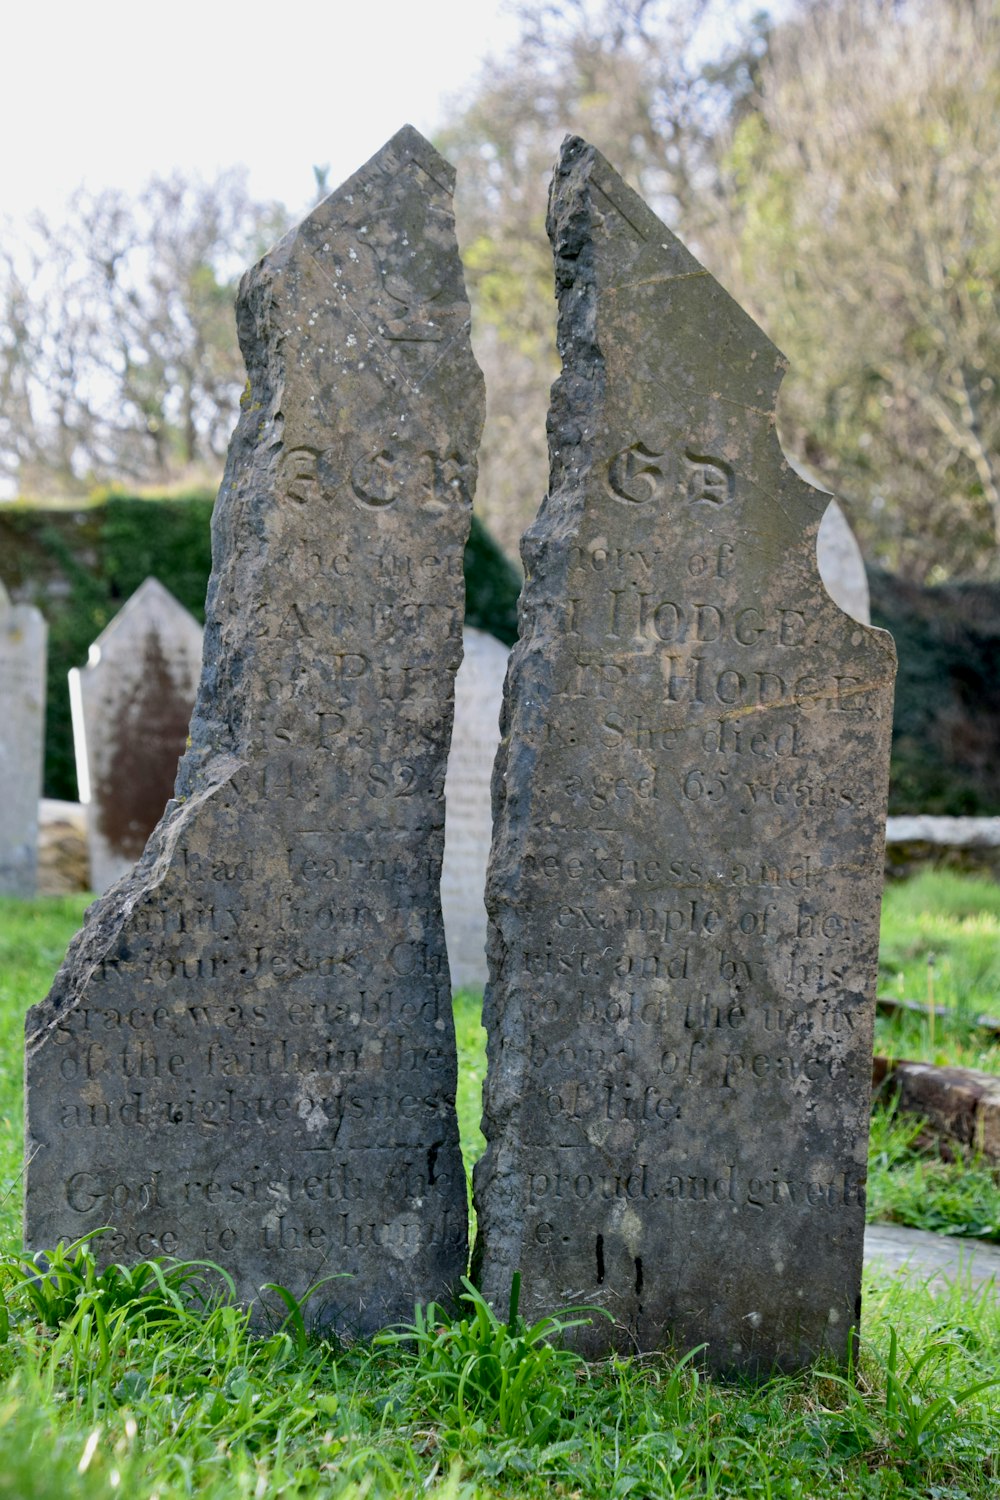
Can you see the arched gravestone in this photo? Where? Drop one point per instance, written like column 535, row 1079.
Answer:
column 131, row 707
column 249, row 1051
column 686, row 870
column 22, row 703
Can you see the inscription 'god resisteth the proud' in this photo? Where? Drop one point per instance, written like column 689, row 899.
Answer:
column 684, row 884
column 249, row 1053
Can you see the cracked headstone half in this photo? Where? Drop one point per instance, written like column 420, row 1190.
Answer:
column 685, row 878
column 249, row 1054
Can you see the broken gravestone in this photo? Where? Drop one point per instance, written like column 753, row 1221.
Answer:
column 22, row 704
column 469, row 817
column 685, row 877
column 249, row 1052
column 131, row 708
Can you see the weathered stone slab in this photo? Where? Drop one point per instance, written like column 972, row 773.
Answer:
column 970, row 845
column 964, row 1103
column 22, row 720
column 249, row 1051
column 685, row 878
column 934, row 1261
column 131, row 706
column 468, row 826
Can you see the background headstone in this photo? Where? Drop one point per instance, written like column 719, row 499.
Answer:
column 468, row 816
column 132, row 706
column 249, row 1052
column 22, row 720
column 686, row 871
column 841, row 566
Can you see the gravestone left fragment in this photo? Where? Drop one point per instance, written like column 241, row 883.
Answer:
column 249, row 1053
column 22, row 717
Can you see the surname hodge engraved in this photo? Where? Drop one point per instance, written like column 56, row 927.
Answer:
column 249, row 1053
column 684, row 885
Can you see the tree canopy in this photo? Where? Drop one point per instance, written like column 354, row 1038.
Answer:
column 832, row 163
column 835, row 169
column 118, row 352
column 627, row 75
column 862, row 230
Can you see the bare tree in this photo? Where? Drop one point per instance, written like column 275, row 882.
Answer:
column 627, row 75
column 119, row 358
column 865, row 235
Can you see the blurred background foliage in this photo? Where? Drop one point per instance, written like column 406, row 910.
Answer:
column 834, row 168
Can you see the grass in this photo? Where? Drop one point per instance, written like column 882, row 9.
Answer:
column 33, row 939
column 174, row 1398
column 941, row 945
column 916, row 1180
column 147, row 1383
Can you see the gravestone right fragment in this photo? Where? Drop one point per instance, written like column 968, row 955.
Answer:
column 685, row 879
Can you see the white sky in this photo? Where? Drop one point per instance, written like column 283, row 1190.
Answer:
column 110, row 93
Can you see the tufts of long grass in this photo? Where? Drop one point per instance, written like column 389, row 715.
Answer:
column 148, row 1382
column 916, row 1180
column 940, row 946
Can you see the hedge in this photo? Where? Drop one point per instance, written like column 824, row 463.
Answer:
column 79, row 566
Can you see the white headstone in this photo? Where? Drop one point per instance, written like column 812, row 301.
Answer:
column 22, row 718
column 468, row 821
column 841, row 566
column 838, row 556
column 131, row 707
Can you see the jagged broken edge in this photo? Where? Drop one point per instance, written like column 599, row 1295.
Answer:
column 250, row 462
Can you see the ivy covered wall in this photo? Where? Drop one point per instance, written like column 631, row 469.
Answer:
column 79, row 565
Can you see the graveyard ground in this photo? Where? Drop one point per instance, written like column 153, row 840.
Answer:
column 131, row 1386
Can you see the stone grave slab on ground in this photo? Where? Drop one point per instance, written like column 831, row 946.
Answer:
column 22, row 721
column 937, row 1261
column 685, row 881
column 131, row 708
column 469, row 819
column 249, row 1052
